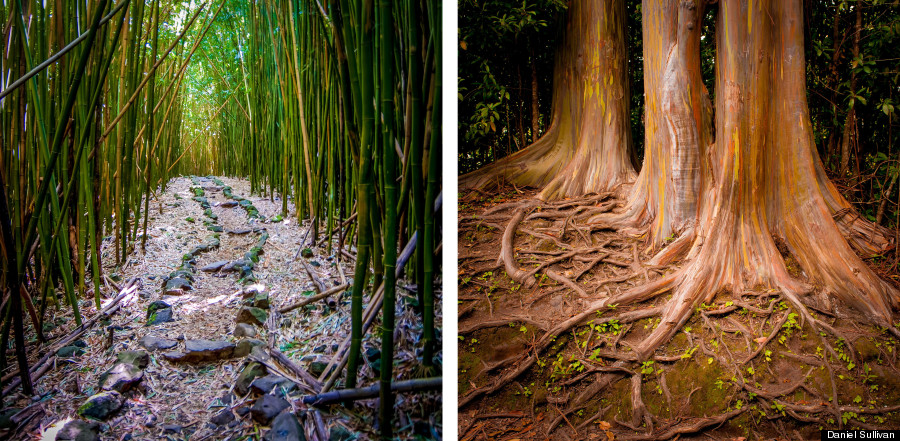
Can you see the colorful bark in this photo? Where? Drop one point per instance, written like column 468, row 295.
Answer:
column 678, row 115
column 586, row 146
column 761, row 181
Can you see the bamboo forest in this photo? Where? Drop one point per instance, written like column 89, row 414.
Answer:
column 220, row 220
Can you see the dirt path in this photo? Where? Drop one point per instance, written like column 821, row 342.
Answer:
column 181, row 398
column 551, row 306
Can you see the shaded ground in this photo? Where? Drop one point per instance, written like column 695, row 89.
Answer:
column 745, row 365
column 176, row 400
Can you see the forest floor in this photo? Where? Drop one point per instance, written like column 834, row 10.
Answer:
column 195, row 381
column 535, row 362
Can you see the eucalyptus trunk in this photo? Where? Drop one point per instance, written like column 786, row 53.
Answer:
column 586, row 147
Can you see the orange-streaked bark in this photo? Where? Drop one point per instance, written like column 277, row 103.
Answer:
column 762, row 181
column 586, row 147
column 678, row 123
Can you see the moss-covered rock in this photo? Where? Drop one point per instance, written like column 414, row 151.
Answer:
column 139, row 359
column 159, row 312
column 258, row 300
column 101, row 406
column 79, row 430
column 252, row 315
column 121, row 377
column 244, row 347
column 69, row 352
column 246, row 377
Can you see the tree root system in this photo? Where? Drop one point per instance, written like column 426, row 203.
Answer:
column 570, row 309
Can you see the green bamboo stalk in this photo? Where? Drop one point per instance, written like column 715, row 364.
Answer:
column 152, row 132
column 385, row 35
column 428, row 240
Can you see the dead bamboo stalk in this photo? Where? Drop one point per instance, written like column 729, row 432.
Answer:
column 42, row 366
column 305, row 302
column 320, row 287
column 421, row 384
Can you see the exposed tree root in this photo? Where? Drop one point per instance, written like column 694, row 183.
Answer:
column 694, row 426
column 586, row 270
column 507, row 252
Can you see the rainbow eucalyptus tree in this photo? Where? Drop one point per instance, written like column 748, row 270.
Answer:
column 760, row 181
column 725, row 199
column 731, row 196
column 586, row 147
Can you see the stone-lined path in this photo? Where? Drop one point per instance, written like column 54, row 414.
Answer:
column 186, row 357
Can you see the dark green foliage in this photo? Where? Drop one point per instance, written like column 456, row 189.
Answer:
column 500, row 42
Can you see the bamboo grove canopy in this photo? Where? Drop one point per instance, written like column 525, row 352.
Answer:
column 329, row 103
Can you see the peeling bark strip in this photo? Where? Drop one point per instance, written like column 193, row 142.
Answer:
column 586, row 146
column 678, row 123
column 762, row 182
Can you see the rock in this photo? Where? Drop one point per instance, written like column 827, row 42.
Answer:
column 266, row 408
column 267, row 384
column 306, row 253
column 160, row 316
column 339, row 433
column 69, row 352
column 242, row 411
column 285, row 427
column 206, row 350
column 215, row 266
column 222, row 418
column 247, row 375
column 182, row 273
column 101, row 406
column 320, row 349
column 79, row 430
column 139, row 359
column 253, row 290
column 244, row 330
column 260, row 353
column 373, row 358
column 177, row 286
column 155, row 344
column 258, row 301
column 239, row 230
column 237, row 266
column 252, row 315
column 171, row 428
column 121, row 377
column 174, row 356
column 245, row 347
column 228, row 204
column 159, row 312
column 156, row 306
column 6, row 418
column 215, row 228
column 317, row 368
